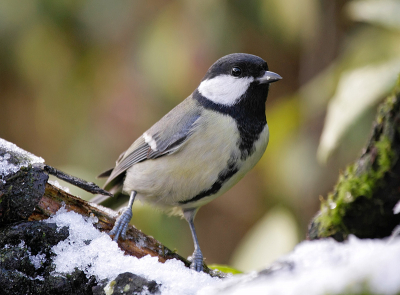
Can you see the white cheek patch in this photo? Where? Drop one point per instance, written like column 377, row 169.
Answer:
column 224, row 89
column 150, row 141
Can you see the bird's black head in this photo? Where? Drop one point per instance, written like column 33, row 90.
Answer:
column 237, row 65
column 235, row 77
column 237, row 85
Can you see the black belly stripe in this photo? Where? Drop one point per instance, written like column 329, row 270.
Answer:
column 223, row 177
column 249, row 115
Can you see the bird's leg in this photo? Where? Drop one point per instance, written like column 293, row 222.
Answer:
column 121, row 224
column 197, row 257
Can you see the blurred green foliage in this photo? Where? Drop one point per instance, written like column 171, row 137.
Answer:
column 80, row 80
column 225, row 269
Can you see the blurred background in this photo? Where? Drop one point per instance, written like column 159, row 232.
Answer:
column 80, row 80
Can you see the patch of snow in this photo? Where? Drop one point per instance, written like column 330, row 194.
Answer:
column 39, row 278
column 319, row 267
column 395, row 234
column 326, row 267
column 58, row 185
column 141, row 243
column 396, row 208
column 25, row 158
column 37, row 260
column 96, row 254
column 106, row 210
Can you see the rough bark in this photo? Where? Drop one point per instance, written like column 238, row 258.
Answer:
column 26, row 198
column 363, row 199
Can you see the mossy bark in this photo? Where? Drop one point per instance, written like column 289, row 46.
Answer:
column 363, row 199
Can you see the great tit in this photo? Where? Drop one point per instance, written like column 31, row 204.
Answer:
column 201, row 148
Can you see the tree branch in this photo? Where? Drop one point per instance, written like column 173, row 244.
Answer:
column 26, row 195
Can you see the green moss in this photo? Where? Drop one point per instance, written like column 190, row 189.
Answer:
column 351, row 185
column 385, row 158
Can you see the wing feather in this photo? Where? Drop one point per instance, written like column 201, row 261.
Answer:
column 169, row 134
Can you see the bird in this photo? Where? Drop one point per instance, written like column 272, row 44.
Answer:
column 199, row 149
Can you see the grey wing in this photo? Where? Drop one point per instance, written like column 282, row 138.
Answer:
column 163, row 138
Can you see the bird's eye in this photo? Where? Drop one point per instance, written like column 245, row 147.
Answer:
column 236, row 71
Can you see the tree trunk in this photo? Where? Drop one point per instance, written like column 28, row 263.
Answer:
column 363, row 199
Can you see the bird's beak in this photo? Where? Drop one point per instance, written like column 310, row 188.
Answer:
column 269, row 77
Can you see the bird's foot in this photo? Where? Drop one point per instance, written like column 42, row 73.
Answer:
column 121, row 224
column 196, row 261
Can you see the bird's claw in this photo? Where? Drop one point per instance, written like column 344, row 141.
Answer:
column 121, row 224
column 196, row 261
